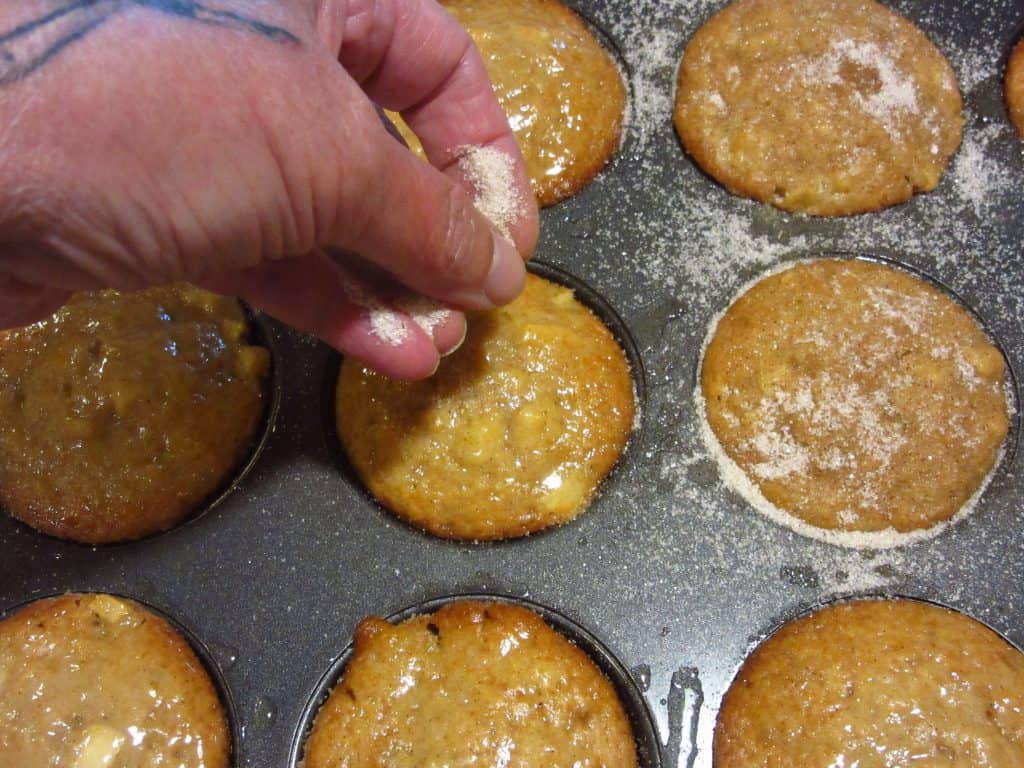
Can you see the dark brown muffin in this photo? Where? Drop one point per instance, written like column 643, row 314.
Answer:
column 124, row 411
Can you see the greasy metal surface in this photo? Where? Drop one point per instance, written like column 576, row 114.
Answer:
column 672, row 571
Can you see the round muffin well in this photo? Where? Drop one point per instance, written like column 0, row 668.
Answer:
column 514, row 432
column 855, row 397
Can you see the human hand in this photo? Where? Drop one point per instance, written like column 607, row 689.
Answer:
column 236, row 144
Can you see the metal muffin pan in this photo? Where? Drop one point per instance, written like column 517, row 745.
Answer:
column 674, row 573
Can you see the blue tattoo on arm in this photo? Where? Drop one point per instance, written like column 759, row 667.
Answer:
column 28, row 46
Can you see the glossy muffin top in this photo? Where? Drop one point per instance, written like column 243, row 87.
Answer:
column 876, row 684
column 560, row 88
column 511, row 435
column 124, row 411
column 472, row 684
column 96, row 681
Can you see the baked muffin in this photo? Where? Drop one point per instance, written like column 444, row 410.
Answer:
column 561, row 89
column 511, row 435
column 1015, row 87
column 121, row 413
column 472, row 684
column 829, row 107
column 855, row 396
column 876, row 684
column 96, row 681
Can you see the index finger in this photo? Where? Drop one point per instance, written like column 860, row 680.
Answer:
column 412, row 57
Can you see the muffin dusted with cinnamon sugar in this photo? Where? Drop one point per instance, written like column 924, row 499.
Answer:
column 511, row 435
column 475, row 683
column 97, row 681
column 876, row 684
column 829, row 107
column 856, row 397
column 560, row 88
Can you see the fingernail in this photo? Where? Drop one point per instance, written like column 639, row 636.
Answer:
column 459, row 343
column 504, row 281
column 436, row 366
column 507, row 277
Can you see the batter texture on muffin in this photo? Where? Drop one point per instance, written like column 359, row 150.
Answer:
column 855, row 396
column 1015, row 87
column 511, row 435
column 96, row 681
column 123, row 411
column 560, row 88
column 828, row 107
column 473, row 684
column 876, row 684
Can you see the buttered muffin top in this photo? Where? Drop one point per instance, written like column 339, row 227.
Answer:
column 511, row 435
column 97, row 681
column 562, row 91
column 123, row 411
column 475, row 683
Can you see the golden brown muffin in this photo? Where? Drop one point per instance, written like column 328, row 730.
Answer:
column 828, row 107
column 96, row 681
column 511, row 435
column 561, row 89
column 1015, row 87
column 123, row 412
column 856, row 397
column 473, row 684
column 876, row 684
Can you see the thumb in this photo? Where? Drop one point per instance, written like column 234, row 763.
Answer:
column 424, row 228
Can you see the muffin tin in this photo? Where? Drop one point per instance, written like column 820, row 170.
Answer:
column 674, row 573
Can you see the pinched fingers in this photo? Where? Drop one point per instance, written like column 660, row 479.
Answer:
column 391, row 331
